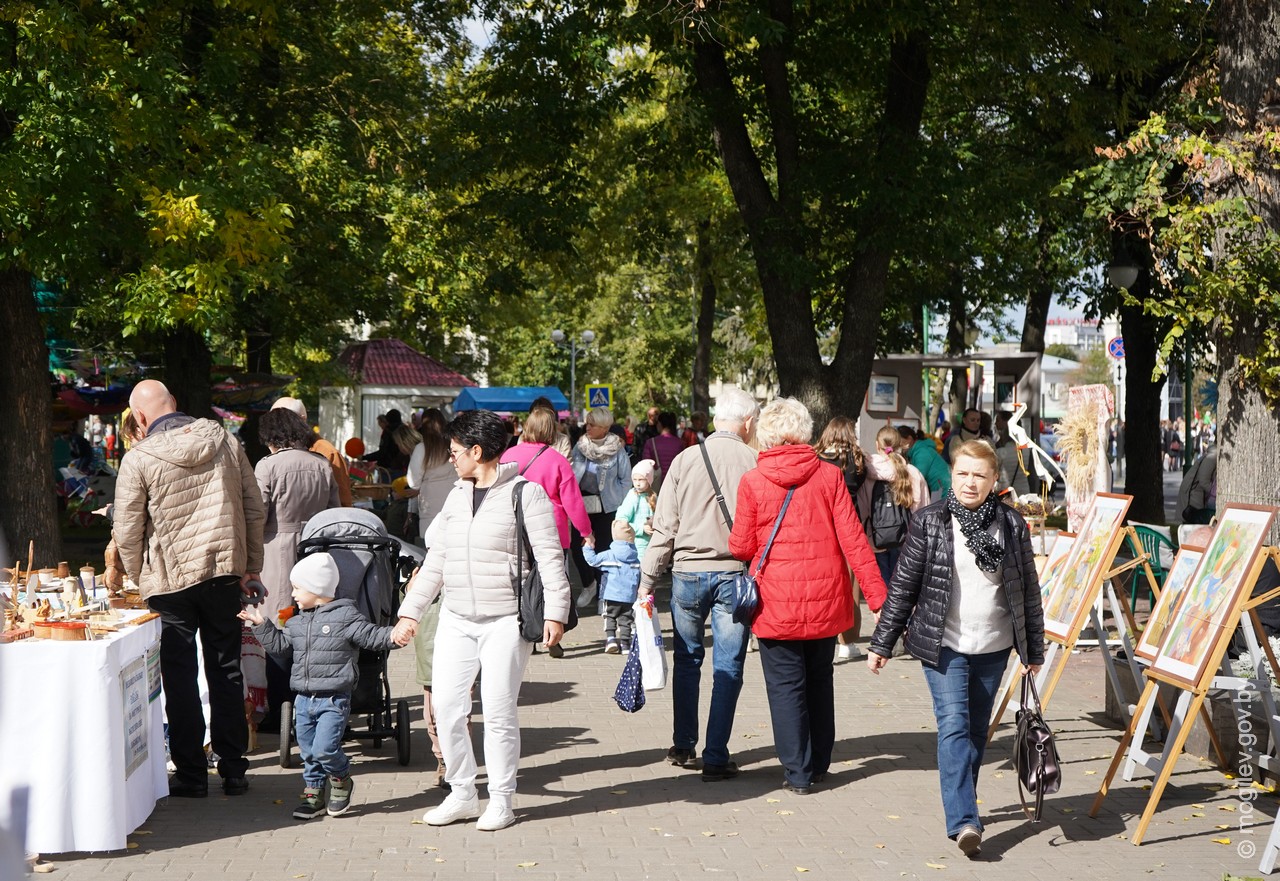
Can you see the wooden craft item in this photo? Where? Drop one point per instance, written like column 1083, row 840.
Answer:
column 16, row 634
column 69, row 631
column 64, row 569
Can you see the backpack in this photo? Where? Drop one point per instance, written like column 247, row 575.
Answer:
column 888, row 524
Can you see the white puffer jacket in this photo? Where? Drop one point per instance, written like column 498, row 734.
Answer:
column 473, row 558
column 187, row 508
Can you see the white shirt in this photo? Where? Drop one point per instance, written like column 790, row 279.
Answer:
column 978, row 619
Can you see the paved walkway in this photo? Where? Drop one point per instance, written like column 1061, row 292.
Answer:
column 596, row 800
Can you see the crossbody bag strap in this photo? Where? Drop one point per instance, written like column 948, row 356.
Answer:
column 519, row 494
column 715, row 486
column 534, row 459
column 776, row 524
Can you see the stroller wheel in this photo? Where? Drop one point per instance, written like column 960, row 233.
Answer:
column 402, row 731
column 286, row 734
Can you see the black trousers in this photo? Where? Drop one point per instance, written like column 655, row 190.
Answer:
column 208, row 609
column 802, row 703
column 602, row 531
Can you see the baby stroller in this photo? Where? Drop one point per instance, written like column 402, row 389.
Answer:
column 370, row 573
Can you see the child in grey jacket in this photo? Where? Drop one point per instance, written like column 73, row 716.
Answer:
column 620, row 568
column 324, row 640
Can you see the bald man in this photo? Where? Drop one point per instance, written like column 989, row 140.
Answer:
column 188, row 525
column 324, row 448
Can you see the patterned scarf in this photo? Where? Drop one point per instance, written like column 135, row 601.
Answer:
column 973, row 525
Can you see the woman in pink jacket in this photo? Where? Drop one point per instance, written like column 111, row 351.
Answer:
column 541, row 463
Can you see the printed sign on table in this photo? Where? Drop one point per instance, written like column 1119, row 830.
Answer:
column 133, row 687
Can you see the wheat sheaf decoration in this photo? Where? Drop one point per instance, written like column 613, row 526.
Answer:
column 1078, row 442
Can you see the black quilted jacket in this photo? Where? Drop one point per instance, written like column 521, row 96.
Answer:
column 920, row 590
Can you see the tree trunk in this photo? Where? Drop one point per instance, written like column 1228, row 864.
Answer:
column 1249, row 424
column 187, row 368
column 1040, row 297
column 1144, row 459
column 28, row 505
column 775, row 226
column 706, row 285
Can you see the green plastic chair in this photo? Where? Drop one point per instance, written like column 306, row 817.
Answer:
column 1151, row 544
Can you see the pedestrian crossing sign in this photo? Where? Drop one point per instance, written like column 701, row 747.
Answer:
column 599, row 396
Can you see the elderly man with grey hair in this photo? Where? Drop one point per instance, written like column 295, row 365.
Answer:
column 691, row 537
column 324, row 448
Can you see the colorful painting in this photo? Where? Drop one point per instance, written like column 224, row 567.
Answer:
column 1077, row 583
column 1053, row 564
column 1211, row 601
column 1175, row 585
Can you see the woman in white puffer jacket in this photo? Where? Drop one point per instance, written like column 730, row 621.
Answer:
column 472, row 563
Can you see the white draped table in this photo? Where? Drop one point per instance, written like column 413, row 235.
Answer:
column 82, row 727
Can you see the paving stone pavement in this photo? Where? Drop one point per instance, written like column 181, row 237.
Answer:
column 597, row 801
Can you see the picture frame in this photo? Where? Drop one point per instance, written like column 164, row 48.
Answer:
column 882, row 394
column 1054, row 562
column 1175, row 585
column 1210, row 603
column 1094, row 549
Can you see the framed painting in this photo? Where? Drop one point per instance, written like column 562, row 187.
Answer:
column 1054, row 562
column 1175, row 585
column 1211, row 600
column 1076, row 585
column 882, row 394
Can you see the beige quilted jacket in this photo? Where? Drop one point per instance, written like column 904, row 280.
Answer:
column 187, row 508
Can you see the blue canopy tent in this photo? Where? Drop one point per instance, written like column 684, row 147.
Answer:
column 514, row 399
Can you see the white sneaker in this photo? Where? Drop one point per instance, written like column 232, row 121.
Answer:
column 848, row 653
column 453, row 809
column 495, row 817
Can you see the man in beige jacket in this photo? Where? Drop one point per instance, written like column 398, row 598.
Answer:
column 188, row 524
column 691, row 536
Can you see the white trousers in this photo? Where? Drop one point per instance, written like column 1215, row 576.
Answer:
column 463, row 648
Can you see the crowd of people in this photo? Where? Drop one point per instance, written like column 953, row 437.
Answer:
column 916, row 533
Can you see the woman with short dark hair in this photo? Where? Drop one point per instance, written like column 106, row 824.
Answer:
column 296, row 485
column 470, row 563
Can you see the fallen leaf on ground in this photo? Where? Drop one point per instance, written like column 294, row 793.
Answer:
column 430, row 847
column 1000, row 774
column 1222, row 841
column 617, row 792
column 1197, row 814
column 1068, row 810
column 1197, row 806
column 611, row 812
column 141, row 832
column 525, row 865
column 416, row 823
column 42, row 868
column 772, row 801
column 880, row 846
column 278, row 801
column 709, row 834
column 935, row 865
column 1090, row 773
column 893, row 816
column 655, row 828
column 1229, row 808
column 133, row 845
column 1223, row 826
column 801, row 869
column 785, row 813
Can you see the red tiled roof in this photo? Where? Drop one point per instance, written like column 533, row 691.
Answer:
column 392, row 362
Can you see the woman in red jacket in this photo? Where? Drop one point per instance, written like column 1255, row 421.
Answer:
column 806, row 597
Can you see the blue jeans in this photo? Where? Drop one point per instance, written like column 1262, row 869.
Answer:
column 964, row 692
column 320, row 721
column 694, row 597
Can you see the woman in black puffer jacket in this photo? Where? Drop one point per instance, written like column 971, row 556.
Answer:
column 966, row 592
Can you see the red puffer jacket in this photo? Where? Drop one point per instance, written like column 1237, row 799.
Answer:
column 805, row 591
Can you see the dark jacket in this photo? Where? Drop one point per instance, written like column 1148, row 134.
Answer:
column 324, row 643
column 920, row 590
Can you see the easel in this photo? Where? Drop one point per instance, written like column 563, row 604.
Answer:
column 1191, row 702
column 1047, row 678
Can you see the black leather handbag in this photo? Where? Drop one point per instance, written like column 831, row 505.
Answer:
column 532, row 604
column 1035, row 755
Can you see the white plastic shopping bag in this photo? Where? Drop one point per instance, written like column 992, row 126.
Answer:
column 653, row 660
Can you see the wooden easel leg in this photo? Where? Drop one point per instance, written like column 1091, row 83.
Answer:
column 1166, row 768
column 1123, row 747
column 1047, row 693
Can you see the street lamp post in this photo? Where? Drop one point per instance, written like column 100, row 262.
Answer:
column 564, row 341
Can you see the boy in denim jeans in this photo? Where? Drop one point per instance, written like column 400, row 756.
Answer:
column 324, row 641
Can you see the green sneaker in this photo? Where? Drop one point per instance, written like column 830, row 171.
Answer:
column 311, row 805
column 340, row 789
